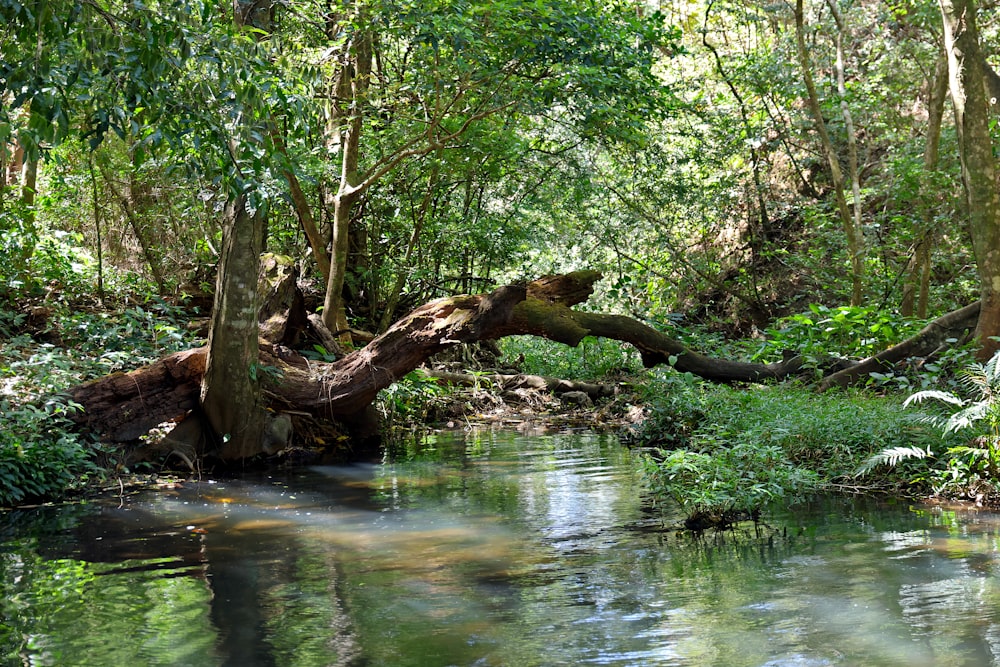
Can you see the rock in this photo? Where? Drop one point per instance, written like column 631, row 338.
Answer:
column 578, row 398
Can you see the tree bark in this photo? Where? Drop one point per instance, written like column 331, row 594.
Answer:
column 230, row 391
column 916, row 289
column 123, row 407
column 304, row 213
column 345, row 130
column 968, row 93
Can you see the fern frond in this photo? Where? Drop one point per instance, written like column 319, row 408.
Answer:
column 966, row 417
column 974, row 378
column 991, row 369
column 891, row 457
column 943, row 396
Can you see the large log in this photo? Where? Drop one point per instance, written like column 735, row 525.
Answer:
column 956, row 324
column 122, row 407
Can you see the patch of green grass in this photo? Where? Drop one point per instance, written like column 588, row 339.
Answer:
column 718, row 448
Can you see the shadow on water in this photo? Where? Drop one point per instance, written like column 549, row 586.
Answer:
column 496, row 549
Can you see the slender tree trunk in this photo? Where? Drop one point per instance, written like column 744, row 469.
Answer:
column 916, row 290
column 853, row 232
column 97, row 227
column 392, row 298
column 133, row 215
column 29, row 185
column 303, row 210
column 304, row 213
column 346, row 120
column 755, row 160
column 979, row 169
column 852, row 140
column 230, row 390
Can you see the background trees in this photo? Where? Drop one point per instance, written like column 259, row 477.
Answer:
column 402, row 150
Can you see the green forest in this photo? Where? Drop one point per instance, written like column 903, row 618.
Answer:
column 760, row 241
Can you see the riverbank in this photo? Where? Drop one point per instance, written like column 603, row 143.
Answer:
column 708, row 447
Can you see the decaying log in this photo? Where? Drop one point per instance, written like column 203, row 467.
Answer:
column 956, row 324
column 122, row 407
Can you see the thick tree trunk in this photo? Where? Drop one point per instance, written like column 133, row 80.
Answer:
column 979, row 168
column 230, row 391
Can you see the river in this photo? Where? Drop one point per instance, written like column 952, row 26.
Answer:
column 489, row 548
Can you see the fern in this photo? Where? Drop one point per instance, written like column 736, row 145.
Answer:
column 943, row 396
column 892, row 457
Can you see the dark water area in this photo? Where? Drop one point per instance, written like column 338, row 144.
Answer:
column 490, row 548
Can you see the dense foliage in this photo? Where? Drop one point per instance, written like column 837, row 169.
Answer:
column 428, row 148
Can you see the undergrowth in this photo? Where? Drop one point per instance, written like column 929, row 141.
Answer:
column 42, row 454
column 593, row 359
column 729, row 451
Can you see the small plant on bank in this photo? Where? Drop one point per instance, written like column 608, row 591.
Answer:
column 416, row 398
column 728, row 483
column 970, row 465
column 41, row 456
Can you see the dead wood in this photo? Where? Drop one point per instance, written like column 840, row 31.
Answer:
column 957, row 324
column 123, row 407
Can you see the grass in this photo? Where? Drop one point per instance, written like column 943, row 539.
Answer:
column 731, row 450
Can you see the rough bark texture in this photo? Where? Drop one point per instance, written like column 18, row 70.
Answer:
column 979, row 168
column 124, row 406
column 230, row 394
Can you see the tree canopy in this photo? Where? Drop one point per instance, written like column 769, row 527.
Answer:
column 728, row 165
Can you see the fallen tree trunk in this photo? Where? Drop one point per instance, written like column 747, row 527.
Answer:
column 956, row 324
column 122, row 407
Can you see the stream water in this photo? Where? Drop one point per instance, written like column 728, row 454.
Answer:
column 488, row 549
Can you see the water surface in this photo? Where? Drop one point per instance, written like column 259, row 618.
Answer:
column 488, row 549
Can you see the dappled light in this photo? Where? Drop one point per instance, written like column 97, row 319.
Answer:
column 499, row 332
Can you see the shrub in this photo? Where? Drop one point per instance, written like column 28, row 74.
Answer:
column 727, row 482
column 40, row 456
column 970, row 437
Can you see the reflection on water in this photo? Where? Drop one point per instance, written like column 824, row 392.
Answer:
column 496, row 549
